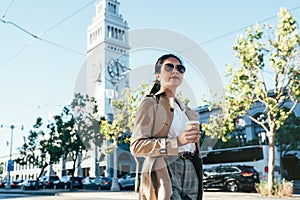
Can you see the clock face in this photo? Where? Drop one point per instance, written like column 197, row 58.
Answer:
column 116, row 70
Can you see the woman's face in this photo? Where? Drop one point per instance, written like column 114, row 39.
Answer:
column 170, row 78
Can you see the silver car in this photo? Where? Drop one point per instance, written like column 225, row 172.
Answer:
column 127, row 181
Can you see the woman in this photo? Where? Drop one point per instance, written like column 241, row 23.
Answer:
column 172, row 168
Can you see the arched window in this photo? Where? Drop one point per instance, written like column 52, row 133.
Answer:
column 124, row 157
column 109, row 32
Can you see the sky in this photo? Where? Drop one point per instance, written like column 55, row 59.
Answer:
column 37, row 76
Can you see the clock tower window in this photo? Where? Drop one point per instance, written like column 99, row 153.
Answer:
column 112, row 8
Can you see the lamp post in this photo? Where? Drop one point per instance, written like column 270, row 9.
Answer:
column 10, row 161
column 115, row 185
column 117, row 71
column 10, row 164
column 240, row 124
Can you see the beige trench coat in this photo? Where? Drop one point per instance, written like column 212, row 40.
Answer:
column 149, row 140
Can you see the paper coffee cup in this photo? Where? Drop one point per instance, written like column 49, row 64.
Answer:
column 192, row 122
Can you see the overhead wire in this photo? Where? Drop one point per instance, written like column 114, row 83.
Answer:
column 43, row 33
column 8, row 7
column 235, row 31
column 34, row 37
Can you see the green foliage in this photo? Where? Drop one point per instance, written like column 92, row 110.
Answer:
column 287, row 136
column 230, row 143
column 125, row 109
column 218, row 126
column 265, row 52
column 41, row 147
column 67, row 134
column 78, row 127
column 259, row 52
column 1, row 167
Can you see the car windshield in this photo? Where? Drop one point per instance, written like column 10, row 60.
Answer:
column 54, row 178
column 248, row 169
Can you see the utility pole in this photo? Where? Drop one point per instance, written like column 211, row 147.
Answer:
column 10, row 166
column 10, row 163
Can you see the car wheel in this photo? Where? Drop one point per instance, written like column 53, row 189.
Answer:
column 231, row 186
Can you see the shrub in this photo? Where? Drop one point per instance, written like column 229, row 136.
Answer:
column 287, row 188
column 283, row 189
column 262, row 188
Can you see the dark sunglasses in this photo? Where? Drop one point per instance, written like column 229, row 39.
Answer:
column 169, row 67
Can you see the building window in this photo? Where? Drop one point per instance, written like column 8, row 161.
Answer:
column 258, row 131
column 109, row 31
column 112, row 8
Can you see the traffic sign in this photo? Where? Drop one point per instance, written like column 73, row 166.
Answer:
column 10, row 166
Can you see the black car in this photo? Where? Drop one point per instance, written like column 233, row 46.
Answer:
column 231, row 178
column 50, row 182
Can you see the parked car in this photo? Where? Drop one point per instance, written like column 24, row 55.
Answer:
column 66, row 182
column 231, row 178
column 15, row 183
column 2, row 183
column 127, row 181
column 27, row 185
column 50, row 182
column 98, row 183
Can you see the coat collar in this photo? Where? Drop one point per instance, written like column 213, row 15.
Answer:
column 180, row 103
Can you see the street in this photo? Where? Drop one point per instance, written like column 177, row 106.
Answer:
column 13, row 196
column 129, row 195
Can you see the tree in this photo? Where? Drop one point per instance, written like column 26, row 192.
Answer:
column 216, row 131
column 124, row 109
column 287, row 137
column 78, row 128
column 1, row 167
column 262, row 54
column 41, row 148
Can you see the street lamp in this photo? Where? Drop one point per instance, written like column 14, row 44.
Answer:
column 239, row 125
column 117, row 72
column 10, row 164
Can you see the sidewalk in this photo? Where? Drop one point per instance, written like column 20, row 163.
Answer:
column 207, row 196
column 130, row 195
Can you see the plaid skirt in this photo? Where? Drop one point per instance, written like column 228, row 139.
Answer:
column 183, row 177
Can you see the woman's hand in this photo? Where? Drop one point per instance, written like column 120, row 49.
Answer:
column 190, row 135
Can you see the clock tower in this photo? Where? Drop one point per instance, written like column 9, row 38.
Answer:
column 107, row 55
column 107, row 65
